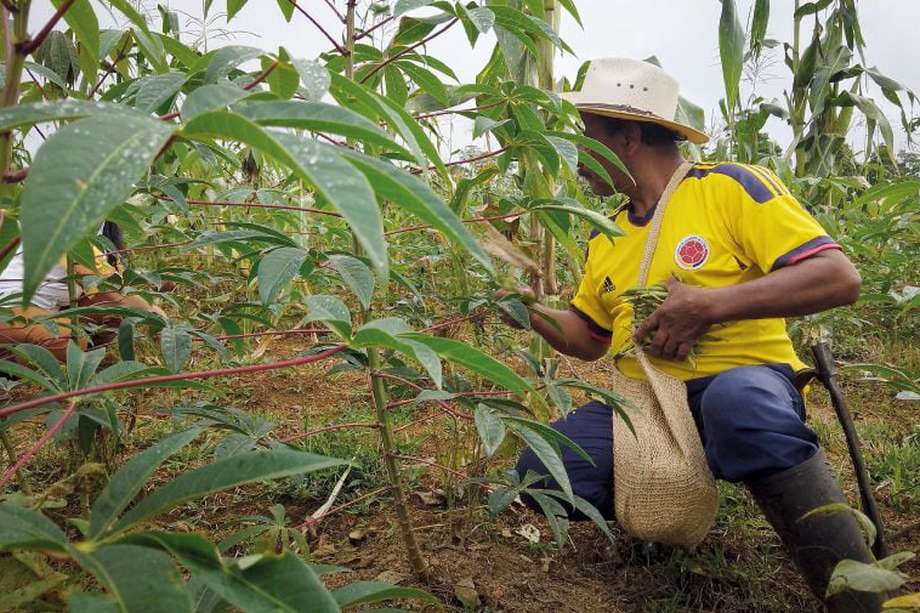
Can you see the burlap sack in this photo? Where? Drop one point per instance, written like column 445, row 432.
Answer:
column 663, row 489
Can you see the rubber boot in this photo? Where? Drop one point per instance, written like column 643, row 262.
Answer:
column 818, row 543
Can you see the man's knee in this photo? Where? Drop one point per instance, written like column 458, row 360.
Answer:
column 752, row 420
column 736, row 396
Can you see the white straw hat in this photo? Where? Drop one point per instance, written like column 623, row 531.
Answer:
column 634, row 90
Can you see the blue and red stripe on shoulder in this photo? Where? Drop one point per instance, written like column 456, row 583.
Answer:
column 805, row 251
column 757, row 182
column 598, row 332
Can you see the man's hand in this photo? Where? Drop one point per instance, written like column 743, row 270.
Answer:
column 527, row 297
column 678, row 323
column 564, row 330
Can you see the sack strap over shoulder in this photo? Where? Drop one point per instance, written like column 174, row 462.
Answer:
column 654, row 230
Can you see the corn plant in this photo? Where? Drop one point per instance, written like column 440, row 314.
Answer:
column 829, row 78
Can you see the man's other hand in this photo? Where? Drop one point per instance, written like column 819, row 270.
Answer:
column 678, row 323
column 527, row 297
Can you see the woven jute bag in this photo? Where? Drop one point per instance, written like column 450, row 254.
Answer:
column 663, row 489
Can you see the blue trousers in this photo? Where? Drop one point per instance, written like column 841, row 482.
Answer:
column 751, row 421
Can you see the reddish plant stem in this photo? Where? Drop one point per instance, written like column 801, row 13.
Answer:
column 336, row 11
column 150, row 247
column 312, row 522
column 296, row 332
column 112, row 67
column 9, row 247
column 261, row 76
column 417, row 422
column 398, row 403
column 486, row 155
column 105, row 75
column 409, row 458
column 445, row 406
column 328, row 36
column 189, row 376
column 329, row 139
column 471, row 220
column 453, row 321
column 44, row 97
column 259, row 205
column 255, row 205
column 425, row 40
column 28, row 46
column 330, row 428
column 26, row 457
column 369, row 31
column 16, row 176
column 458, row 111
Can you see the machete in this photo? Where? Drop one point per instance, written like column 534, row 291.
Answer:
column 825, row 372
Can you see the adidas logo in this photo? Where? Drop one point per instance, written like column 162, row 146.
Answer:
column 608, row 285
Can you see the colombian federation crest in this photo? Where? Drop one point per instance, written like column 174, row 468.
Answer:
column 691, row 252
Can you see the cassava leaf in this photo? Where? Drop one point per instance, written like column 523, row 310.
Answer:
column 356, row 276
column 124, row 485
column 276, row 271
column 319, row 164
column 138, row 578
column 262, row 465
column 491, row 429
column 79, row 174
column 470, row 357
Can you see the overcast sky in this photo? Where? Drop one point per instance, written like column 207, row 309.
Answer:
column 682, row 33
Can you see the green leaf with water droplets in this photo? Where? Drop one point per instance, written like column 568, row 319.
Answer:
column 79, row 174
column 347, row 190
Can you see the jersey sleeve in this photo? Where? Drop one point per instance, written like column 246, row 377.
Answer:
column 776, row 231
column 587, row 303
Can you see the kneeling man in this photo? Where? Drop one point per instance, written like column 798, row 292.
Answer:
column 747, row 255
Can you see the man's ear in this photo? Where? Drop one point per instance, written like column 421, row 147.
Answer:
column 632, row 137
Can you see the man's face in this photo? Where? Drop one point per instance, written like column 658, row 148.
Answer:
column 596, row 127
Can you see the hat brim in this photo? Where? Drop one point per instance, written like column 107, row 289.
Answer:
column 599, row 108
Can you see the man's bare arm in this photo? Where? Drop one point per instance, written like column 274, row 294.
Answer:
column 821, row 282
column 570, row 334
column 572, row 337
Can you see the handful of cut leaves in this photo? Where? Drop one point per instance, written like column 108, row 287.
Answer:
column 644, row 302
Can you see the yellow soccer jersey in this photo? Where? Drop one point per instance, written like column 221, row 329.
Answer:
column 726, row 224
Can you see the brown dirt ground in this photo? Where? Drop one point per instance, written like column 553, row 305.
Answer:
column 589, row 574
column 508, row 573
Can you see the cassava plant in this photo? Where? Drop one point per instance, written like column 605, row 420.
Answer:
column 275, row 198
column 136, row 565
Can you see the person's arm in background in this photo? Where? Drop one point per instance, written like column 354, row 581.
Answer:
column 572, row 335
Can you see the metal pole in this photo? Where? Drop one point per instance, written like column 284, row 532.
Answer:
column 824, row 365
